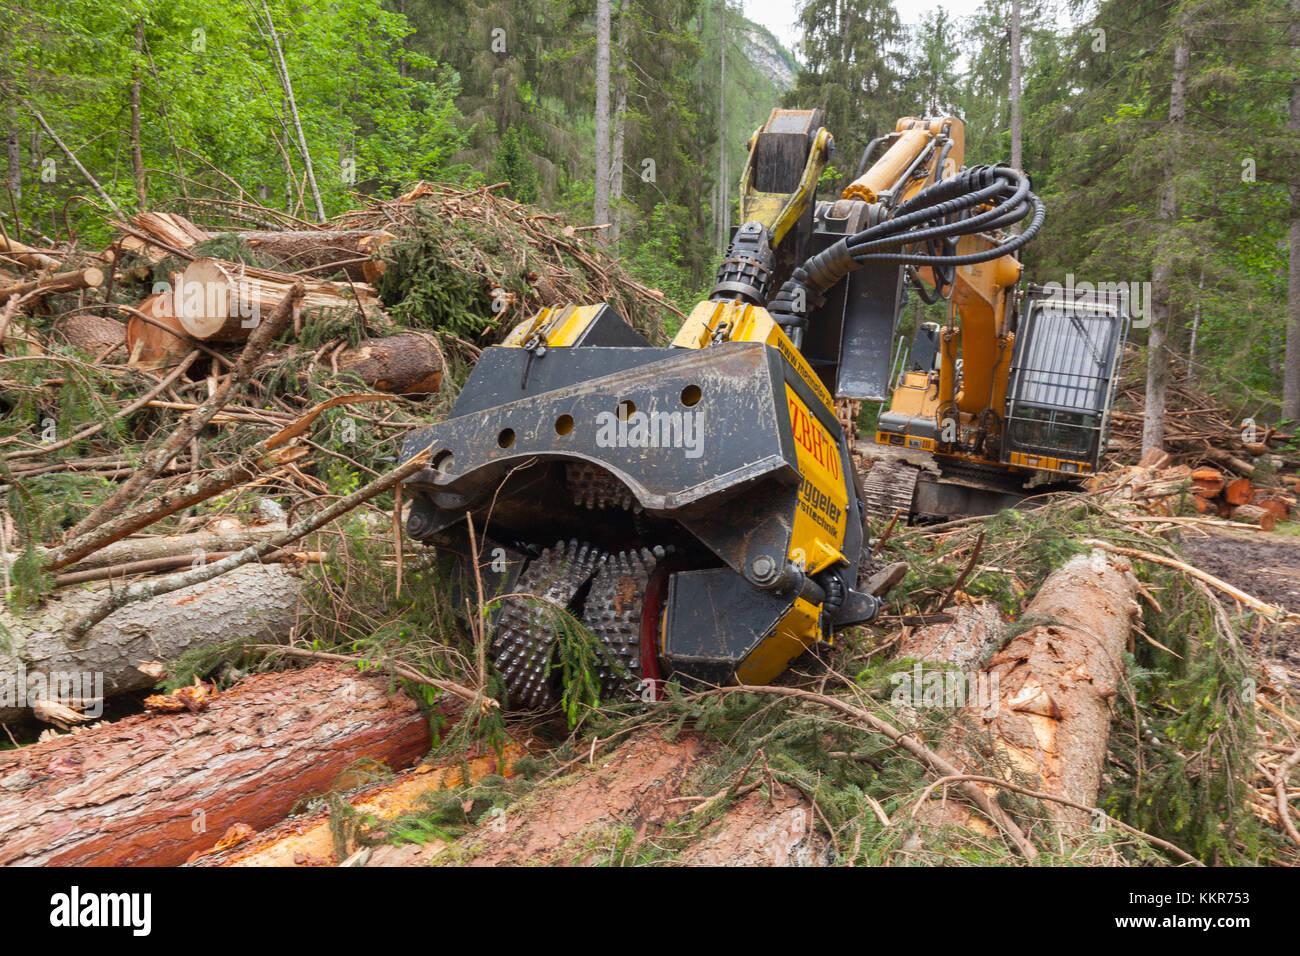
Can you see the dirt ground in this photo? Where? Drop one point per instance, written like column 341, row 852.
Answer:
column 1265, row 564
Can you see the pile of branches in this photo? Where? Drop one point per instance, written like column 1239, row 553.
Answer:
column 218, row 396
column 1199, row 430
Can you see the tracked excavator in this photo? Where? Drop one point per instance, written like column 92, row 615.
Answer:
column 697, row 505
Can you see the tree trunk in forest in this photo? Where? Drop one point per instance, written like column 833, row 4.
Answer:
column 1017, row 158
column 600, row 212
column 409, row 364
column 153, row 789
column 1153, row 417
column 137, row 155
column 724, row 188
column 253, row 603
column 1291, row 370
column 283, row 69
column 620, row 132
column 13, row 151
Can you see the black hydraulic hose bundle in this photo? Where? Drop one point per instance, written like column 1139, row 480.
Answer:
column 933, row 218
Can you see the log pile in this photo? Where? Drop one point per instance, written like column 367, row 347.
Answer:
column 1156, row 486
column 163, row 382
column 1199, row 430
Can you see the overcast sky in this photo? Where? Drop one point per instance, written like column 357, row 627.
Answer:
column 779, row 15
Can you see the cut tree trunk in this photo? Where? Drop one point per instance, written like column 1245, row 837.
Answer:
column 172, row 230
column 224, row 301
column 93, row 334
column 1231, row 461
column 311, row 249
column 1208, row 482
column 254, row 602
column 74, row 281
column 308, row 840
column 407, row 364
column 219, row 537
column 1238, row 491
column 153, row 789
column 1054, row 684
column 1251, row 514
column 31, row 258
column 152, row 347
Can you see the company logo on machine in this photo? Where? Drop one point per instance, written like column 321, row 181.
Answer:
column 814, row 439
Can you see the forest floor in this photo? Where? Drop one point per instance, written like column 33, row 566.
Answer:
column 1263, row 563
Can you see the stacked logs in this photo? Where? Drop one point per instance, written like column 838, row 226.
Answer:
column 1157, row 486
column 212, row 300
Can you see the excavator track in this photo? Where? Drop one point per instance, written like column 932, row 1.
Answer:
column 524, row 634
column 889, row 486
column 613, row 612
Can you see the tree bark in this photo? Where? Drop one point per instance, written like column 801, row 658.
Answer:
column 724, row 188
column 1153, row 423
column 253, row 602
column 93, row 334
column 1049, row 713
column 147, row 548
column 600, row 212
column 1017, row 158
column 137, row 155
column 308, row 250
column 409, row 364
column 308, row 840
column 620, row 132
column 1291, row 369
column 153, row 789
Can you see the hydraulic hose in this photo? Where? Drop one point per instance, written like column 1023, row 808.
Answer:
column 933, row 218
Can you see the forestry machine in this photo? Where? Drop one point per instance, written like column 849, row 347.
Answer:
column 696, row 505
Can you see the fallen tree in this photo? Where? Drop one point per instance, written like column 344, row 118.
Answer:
column 153, row 789
column 253, row 602
column 1054, row 683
